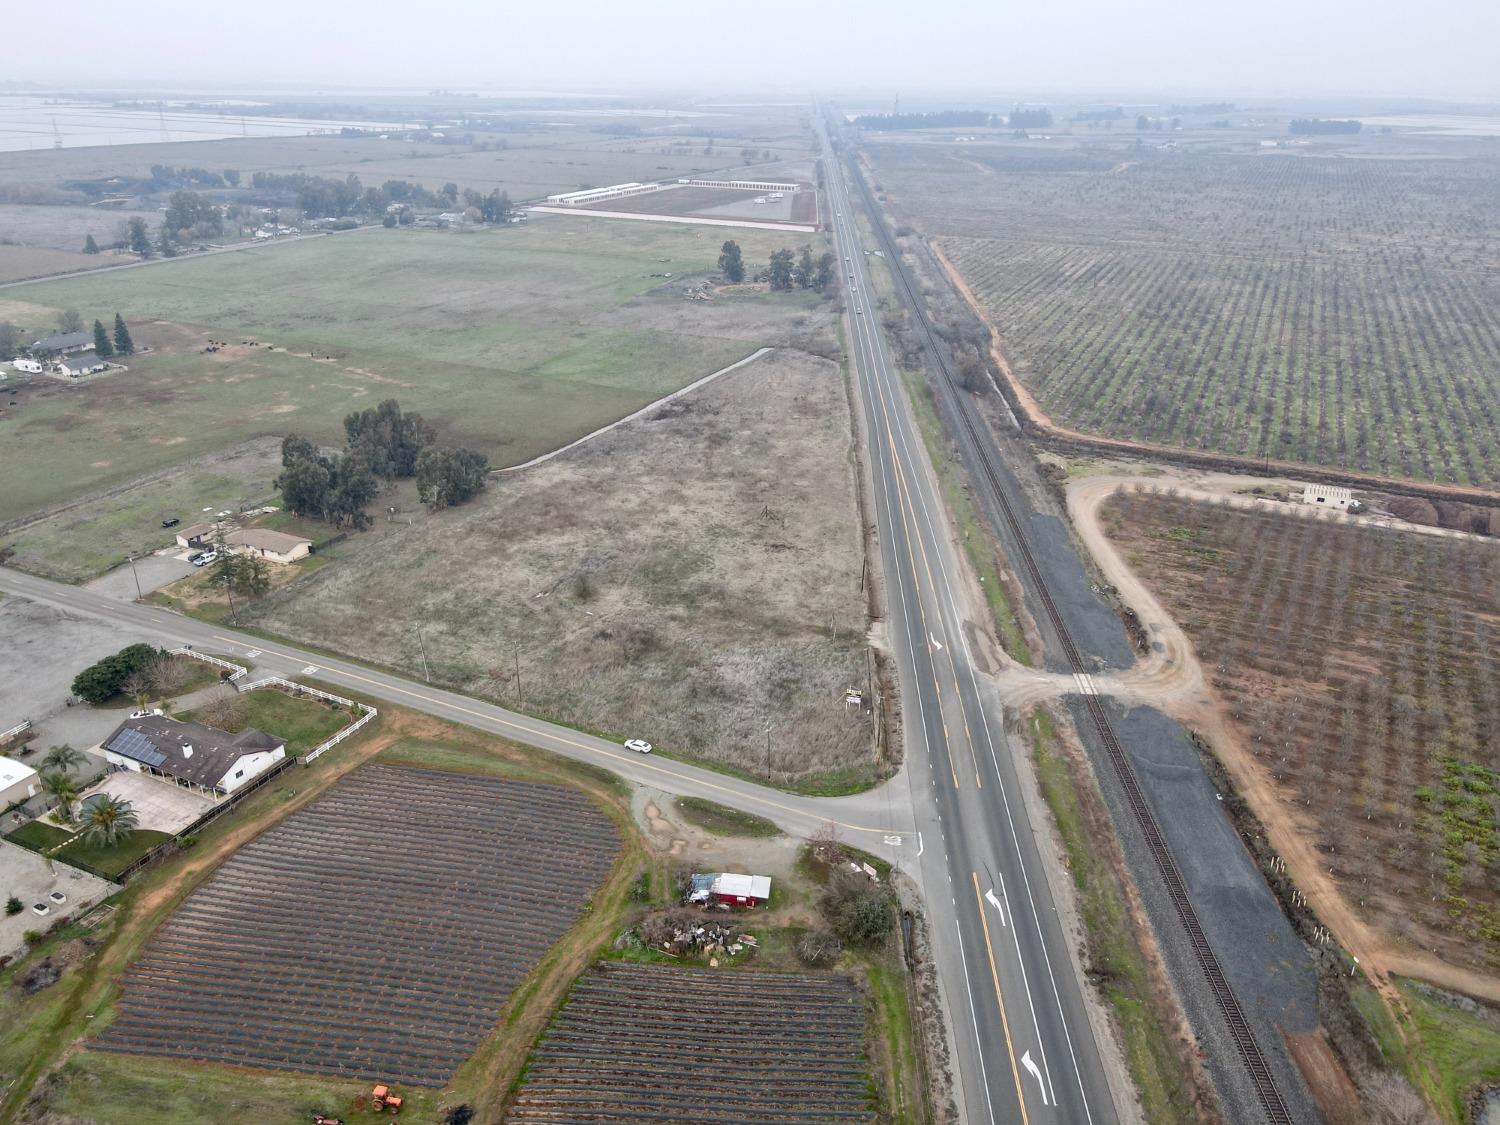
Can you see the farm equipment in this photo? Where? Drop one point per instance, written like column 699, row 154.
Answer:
column 381, row 1098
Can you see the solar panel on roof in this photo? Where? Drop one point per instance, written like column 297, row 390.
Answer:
column 133, row 744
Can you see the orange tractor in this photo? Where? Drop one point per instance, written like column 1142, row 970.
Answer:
column 381, row 1098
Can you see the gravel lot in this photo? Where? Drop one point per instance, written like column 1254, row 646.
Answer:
column 24, row 874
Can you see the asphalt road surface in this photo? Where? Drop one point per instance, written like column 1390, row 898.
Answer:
column 1024, row 1046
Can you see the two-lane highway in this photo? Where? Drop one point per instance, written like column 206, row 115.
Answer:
column 1024, row 1047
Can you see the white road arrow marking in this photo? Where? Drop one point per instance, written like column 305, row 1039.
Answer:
column 995, row 902
column 935, row 643
column 1035, row 1073
column 893, row 841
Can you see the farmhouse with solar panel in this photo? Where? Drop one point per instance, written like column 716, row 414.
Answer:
column 192, row 755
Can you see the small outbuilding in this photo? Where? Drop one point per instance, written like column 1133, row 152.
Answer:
column 731, row 889
column 198, row 535
column 18, row 781
column 1330, row 496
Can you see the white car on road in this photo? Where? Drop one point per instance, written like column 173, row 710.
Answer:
column 639, row 745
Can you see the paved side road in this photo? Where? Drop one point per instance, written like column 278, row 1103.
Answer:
column 878, row 820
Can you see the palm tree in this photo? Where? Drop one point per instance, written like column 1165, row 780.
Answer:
column 62, row 758
column 108, row 821
column 59, row 785
column 143, row 701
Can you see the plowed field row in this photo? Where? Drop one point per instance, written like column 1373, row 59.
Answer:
column 375, row 934
column 661, row 1044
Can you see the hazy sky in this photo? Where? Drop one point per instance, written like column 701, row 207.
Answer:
column 1273, row 47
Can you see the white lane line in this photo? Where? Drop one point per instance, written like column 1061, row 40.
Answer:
column 875, row 344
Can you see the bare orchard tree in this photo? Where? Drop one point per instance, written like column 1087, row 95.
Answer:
column 169, row 674
column 224, row 710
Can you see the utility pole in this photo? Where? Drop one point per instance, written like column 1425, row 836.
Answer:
column 517, row 649
column 423, row 646
column 768, row 747
column 131, row 556
column 229, row 590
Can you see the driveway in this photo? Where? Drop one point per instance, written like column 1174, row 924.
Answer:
column 158, row 806
column 24, row 874
column 153, row 572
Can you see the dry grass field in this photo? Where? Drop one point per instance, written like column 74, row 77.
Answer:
column 1362, row 666
column 1341, row 312
column 65, row 228
column 686, row 578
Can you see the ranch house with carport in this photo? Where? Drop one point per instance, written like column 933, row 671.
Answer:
column 191, row 755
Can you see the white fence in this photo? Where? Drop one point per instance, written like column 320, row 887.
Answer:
column 239, row 670
column 20, row 728
column 277, row 681
column 274, row 681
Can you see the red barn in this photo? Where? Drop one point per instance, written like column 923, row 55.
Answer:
column 732, row 890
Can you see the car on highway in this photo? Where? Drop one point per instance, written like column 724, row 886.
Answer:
column 639, row 745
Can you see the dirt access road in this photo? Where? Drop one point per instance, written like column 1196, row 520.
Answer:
column 1172, row 678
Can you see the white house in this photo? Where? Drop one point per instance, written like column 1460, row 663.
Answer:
column 84, row 363
column 277, row 546
column 1329, row 496
column 192, row 755
column 17, row 782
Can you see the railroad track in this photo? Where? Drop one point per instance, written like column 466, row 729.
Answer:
column 1234, row 1017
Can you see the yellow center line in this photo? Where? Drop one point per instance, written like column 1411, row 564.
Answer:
column 952, row 668
column 1015, row 1071
column 637, row 761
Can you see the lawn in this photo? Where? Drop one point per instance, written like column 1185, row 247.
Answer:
column 722, row 820
column 303, row 723
column 107, row 862
column 513, row 341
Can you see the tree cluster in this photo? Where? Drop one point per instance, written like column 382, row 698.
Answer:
column 381, row 443
column 1317, row 126
column 800, row 271
column 1030, row 118
column 859, row 910
column 446, row 477
column 323, row 488
column 98, row 682
column 190, row 215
